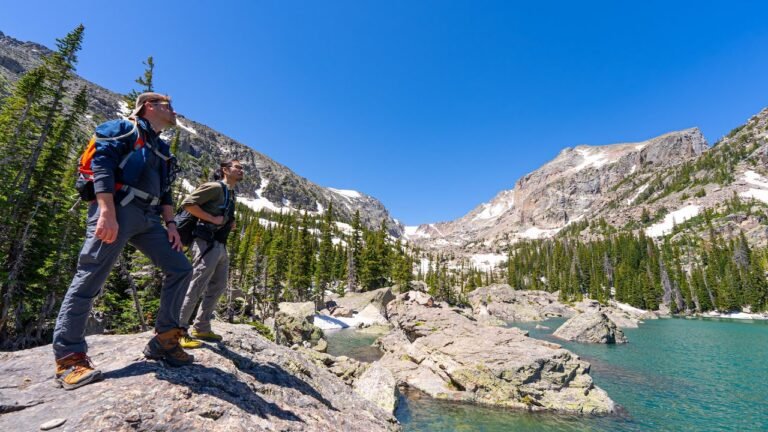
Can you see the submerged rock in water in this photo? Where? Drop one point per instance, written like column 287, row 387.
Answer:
column 449, row 356
column 591, row 327
column 505, row 303
column 246, row 383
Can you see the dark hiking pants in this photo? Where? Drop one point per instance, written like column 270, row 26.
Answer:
column 143, row 229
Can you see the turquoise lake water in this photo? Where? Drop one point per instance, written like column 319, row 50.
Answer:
column 673, row 375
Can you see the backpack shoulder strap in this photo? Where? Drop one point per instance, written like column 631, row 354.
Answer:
column 226, row 194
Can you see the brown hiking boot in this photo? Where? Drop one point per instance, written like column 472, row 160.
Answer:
column 165, row 346
column 76, row 370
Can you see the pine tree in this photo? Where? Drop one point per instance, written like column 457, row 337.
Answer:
column 146, row 81
column 324, row 269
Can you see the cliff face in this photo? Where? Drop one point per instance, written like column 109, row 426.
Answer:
column 268, row 184
column 244, row 384
column 576, row 184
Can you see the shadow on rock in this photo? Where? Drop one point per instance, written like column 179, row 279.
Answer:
column 272, row 373
column 212, row 381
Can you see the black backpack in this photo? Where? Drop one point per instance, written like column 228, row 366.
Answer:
column 185, row 225
column 190, row 227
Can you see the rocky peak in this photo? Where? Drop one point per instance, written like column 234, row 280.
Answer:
column 568, row 188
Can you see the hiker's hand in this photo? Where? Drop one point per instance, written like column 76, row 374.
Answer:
column 173, row 237
column 106, row 227
column 217, row 220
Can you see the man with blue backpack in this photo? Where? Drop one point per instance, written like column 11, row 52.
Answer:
column 126, row 174
column 212, row 205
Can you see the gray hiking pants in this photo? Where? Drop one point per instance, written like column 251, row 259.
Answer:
column 142, row 228
column 208, row 281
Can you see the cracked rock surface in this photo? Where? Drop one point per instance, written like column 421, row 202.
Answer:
column 246, row 383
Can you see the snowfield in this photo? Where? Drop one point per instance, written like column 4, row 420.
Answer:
column 347, row 193
column 672, row 219
column 756, row 179
column 493, row 211
column 537, row 233
column 487, row 262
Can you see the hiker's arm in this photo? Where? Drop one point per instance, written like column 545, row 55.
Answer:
column 173, row 233
column 203, row 215
column 106, row 226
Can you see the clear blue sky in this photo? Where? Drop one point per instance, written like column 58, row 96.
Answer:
column 431, row 106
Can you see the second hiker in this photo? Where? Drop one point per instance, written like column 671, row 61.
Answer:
column 213, row 203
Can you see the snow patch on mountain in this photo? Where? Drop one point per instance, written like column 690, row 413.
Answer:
column 189, row 129
column 672, row 219
column 758, row 194
column 537, row 233
column 122, row 109
column 592, row 157
column 260, row 202
column 487, row 262
column 493, row 211
column 347, row 193
column 756, row 179
column 639, row 191
column 344, row 227
column 412, row 231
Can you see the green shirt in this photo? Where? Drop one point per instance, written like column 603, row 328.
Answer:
column 210, row 197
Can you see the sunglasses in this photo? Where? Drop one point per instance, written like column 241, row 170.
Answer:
column 170, row 108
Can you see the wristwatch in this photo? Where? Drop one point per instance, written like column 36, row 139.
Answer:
column 170, row 222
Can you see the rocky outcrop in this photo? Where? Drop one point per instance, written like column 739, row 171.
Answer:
column 592, row 327
column 449, row 356
column 244, row 384
column 624, row 316
column 505, row 303
column 372, row 381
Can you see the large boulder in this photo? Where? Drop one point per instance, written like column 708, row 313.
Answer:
column 292, row 330
column 358, row 301
column 503, row 302
column 378, row 385
column 348, row 369
column 591, row 327
column 370, row 316
column 450, row 356
column 246, row 383
column 300, row 310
